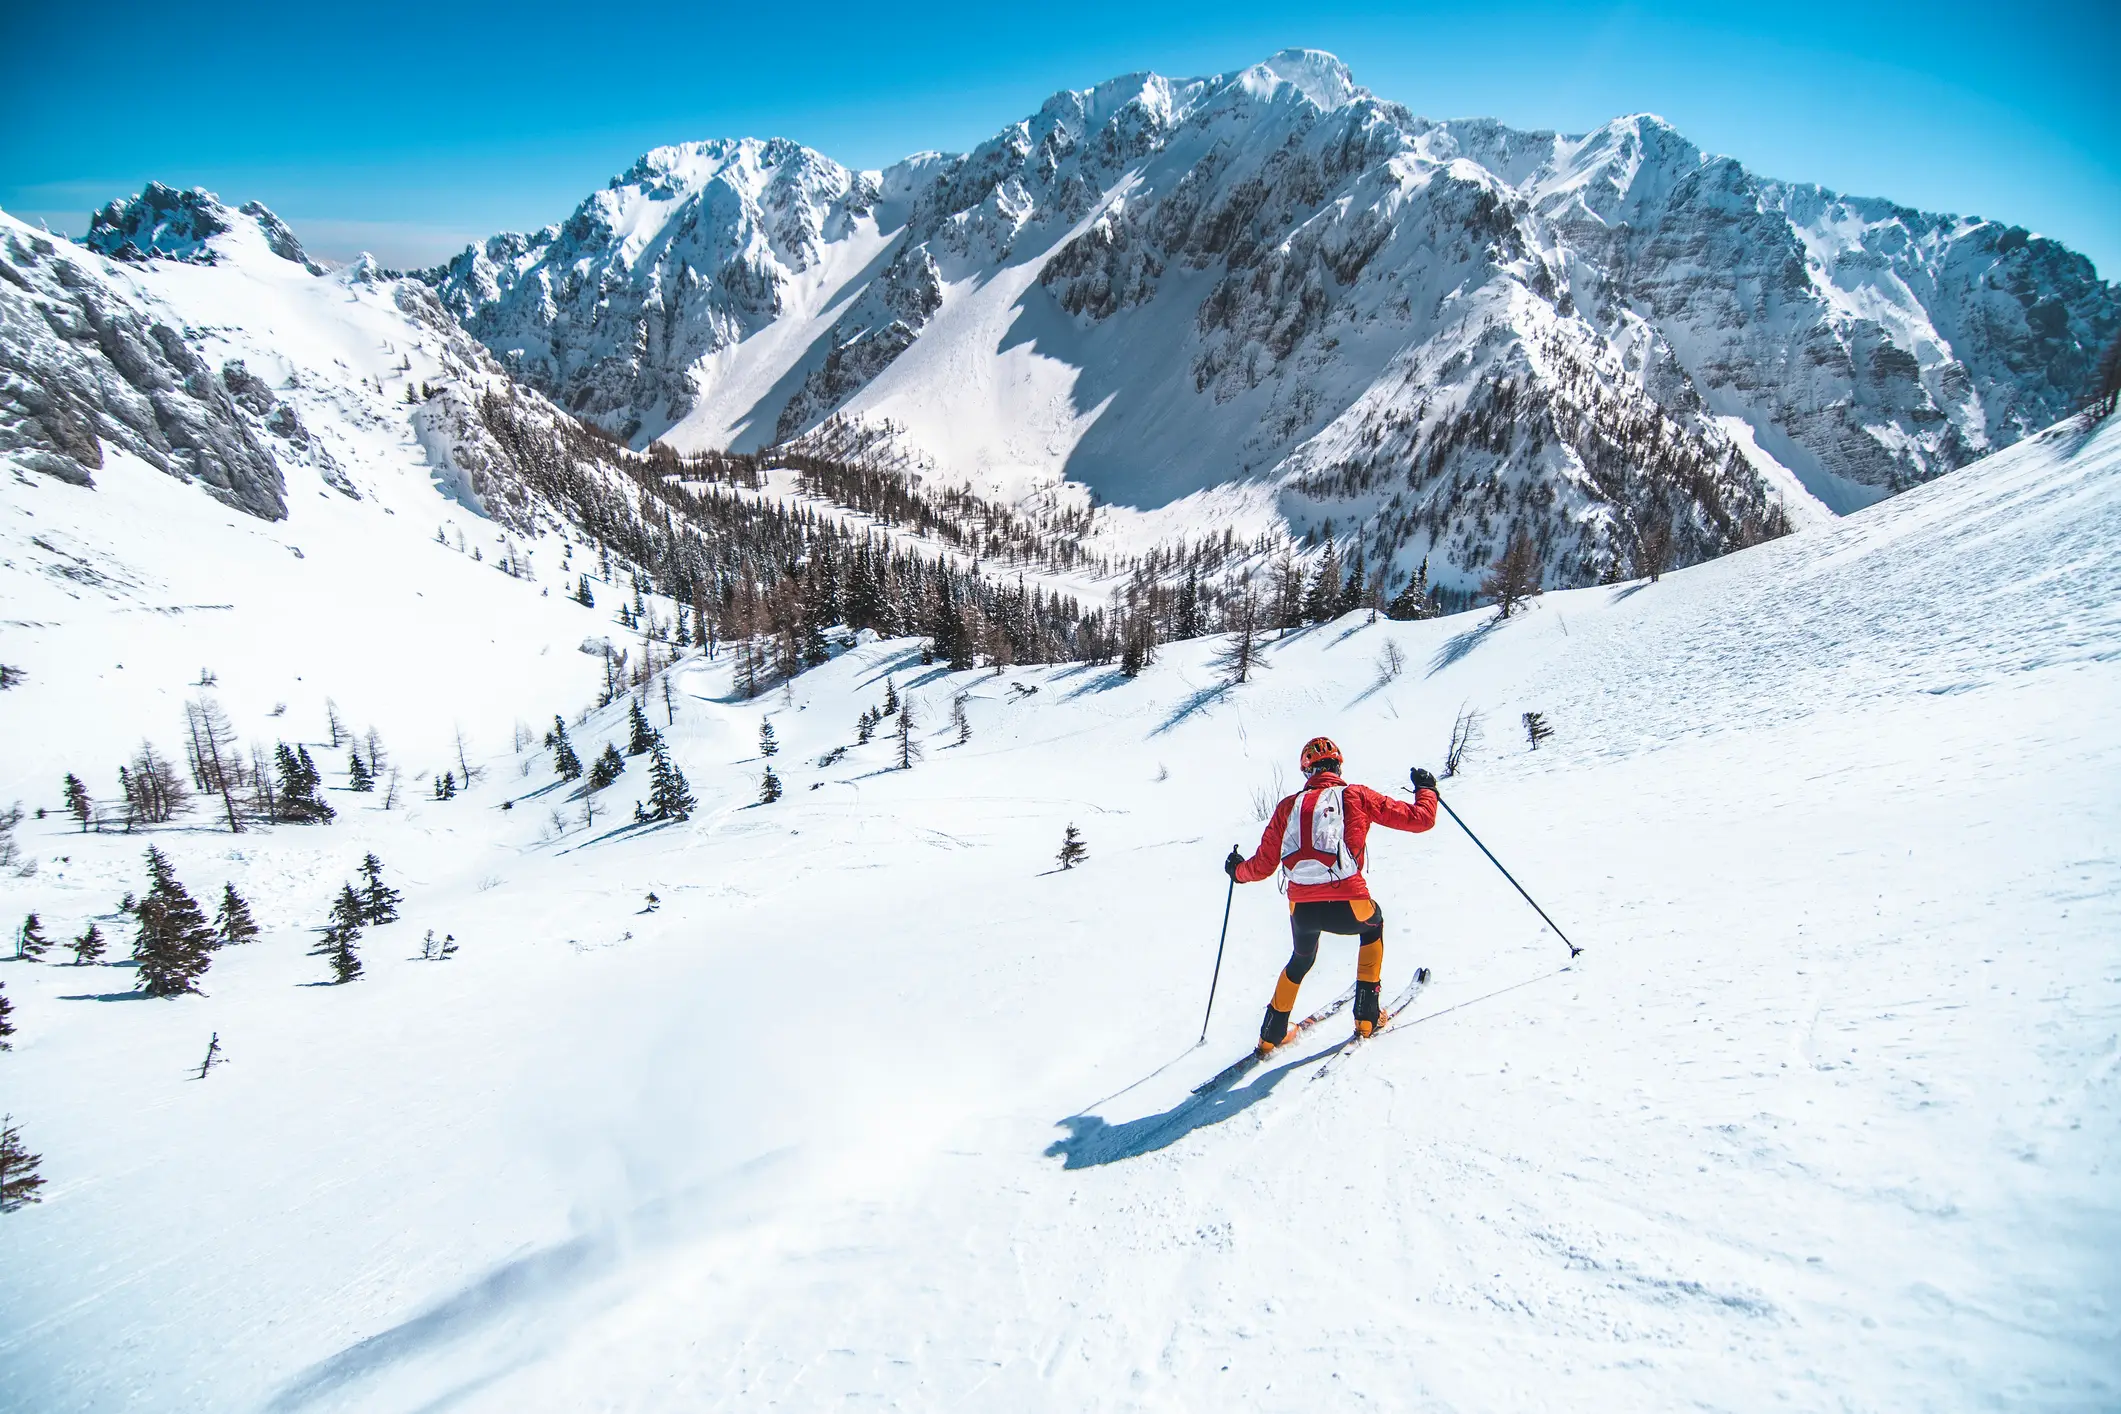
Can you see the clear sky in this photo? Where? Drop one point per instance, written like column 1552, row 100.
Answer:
column 410, row 130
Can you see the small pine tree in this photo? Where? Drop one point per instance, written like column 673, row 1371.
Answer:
column 564, row 760
column 1072, row 851
column 446, row 786
column 767, row 745
column 1514, row 578
column 960, row 719
column 890, row 697
column 18, row 1169
column 606, row 768
column 1536, row 729
column 769, row 787
column 1413, row 601
column 7, row 1023
column 865, row 727
column 77, row 801
column 30, row 941
column 909, row 750
column 174, row 945
column 357, row 775
column 639, row 733
column 89, row 946
column 582, row 595
column 379, row 901
column 232, row 921
column 669, row 796
column 336, row 945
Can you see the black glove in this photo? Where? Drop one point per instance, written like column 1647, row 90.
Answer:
column 1230, row 864
column 1422, row 779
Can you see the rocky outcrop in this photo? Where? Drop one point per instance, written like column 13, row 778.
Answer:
column 82, row 366
column 164, row 223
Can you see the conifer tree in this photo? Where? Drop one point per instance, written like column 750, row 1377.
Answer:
column 960, row 719
column 30, row 942
column 865, row 727
column 336, row 945
column 1357, row 588
column 606, row 768
column 890, row 697
column 1072, row 851
column 77, row 801
column 7, row 1024
column 1413, row 602
column 89, row 946
column 1322, row 599
column 669, row 796
column 174, row 945
column 232, row 920
column 767, row 745
column 379, row 901
column 1536, row 728
column 769, row 787
column 909, row 750
column 582, row 595
column 297, row 797
column 639, row 733
column 18, row 1169
column 357, row 776
column 564, row 760
column 1515, row 576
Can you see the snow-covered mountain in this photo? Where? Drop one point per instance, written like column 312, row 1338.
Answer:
column 1428, row 330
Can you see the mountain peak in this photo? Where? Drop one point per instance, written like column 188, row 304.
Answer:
column 163, row 223
column 1318, row 76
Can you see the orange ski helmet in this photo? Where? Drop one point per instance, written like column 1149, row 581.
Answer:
column 1318, row 751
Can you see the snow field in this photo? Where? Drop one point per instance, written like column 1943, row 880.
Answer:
column 1824, row 1117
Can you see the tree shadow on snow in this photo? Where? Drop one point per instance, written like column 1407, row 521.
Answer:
column 1093, row 1141
column 103, row 996
column 1460, row 644
column 1200, row 700
column 1104, row 682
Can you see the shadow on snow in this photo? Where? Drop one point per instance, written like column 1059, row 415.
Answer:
column 1092, row 1141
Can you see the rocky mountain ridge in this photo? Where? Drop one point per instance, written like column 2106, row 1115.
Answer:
column 1157, row 287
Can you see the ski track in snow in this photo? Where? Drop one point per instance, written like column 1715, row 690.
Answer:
column 1825, row 1116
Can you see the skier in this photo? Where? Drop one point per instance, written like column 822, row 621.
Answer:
column 1317, row 835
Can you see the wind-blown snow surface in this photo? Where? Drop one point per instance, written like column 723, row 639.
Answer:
column 1825, row 1117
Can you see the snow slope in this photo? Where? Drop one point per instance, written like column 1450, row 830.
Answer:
column 879, row 1109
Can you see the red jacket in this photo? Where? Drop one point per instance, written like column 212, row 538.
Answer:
column 1362, row 806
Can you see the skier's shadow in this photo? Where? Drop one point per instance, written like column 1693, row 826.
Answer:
column 1092, row 1140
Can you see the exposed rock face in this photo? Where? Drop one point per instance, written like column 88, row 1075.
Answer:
column 164, row 223
column 685, row 254
column 82, row 365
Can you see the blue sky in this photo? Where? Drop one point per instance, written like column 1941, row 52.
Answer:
column 410, row 130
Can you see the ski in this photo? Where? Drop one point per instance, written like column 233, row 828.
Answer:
column 1237, row 1069
column 1395, row 1013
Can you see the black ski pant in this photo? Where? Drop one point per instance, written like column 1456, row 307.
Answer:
column 1360, row 917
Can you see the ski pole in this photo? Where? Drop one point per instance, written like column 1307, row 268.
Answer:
column 1227, row 898
column 1573, row 949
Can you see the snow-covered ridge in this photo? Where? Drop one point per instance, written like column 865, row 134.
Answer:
column 1154, row 286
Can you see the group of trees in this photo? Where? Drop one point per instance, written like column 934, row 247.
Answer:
column 372, row 905
column 280, row 786
column 669, row 794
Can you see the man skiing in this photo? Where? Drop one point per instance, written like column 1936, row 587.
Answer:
column 1318, row 835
